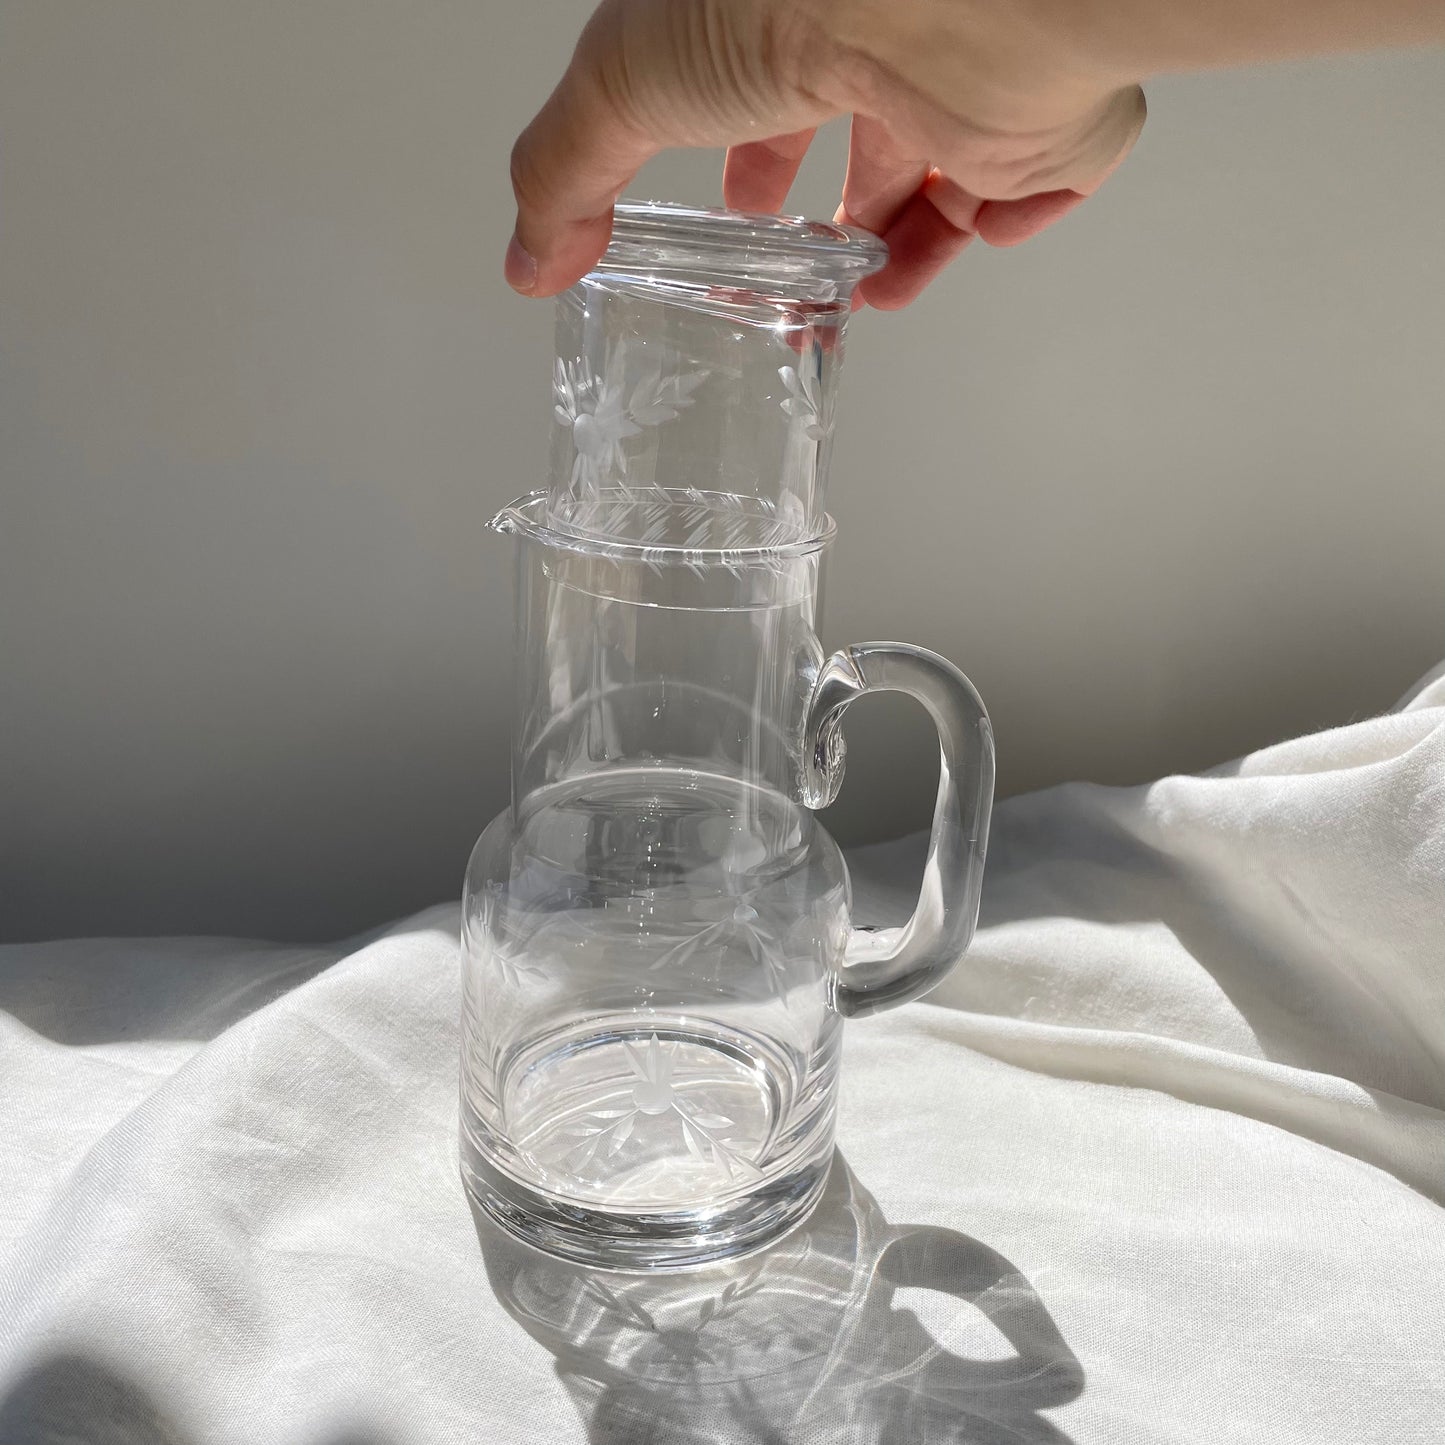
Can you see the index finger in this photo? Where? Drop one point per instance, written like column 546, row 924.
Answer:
column 568, row 168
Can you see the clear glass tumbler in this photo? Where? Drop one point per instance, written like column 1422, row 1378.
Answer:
column 657, row 946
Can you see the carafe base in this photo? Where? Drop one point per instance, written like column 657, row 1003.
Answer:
column 648, row 1140
column 654, row 1086
column 643, row 1242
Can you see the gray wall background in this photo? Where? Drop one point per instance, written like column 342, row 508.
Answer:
column 1168, row 482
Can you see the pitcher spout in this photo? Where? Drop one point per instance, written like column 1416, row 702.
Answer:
column 509, row 522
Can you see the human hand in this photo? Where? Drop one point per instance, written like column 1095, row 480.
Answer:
column 984, row 118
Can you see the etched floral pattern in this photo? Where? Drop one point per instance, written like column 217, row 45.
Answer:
column 603, row 411
column 657, row 1090
column 721, row 939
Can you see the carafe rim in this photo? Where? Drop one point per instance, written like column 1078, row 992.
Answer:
column 531, row 518
column 679, row 239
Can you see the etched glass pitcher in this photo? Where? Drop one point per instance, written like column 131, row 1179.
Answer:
column 657, row 946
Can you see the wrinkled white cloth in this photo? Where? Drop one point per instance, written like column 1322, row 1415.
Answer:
column 1163, row 1160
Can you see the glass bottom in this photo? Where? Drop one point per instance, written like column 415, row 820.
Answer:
column 612, row 1239
column 647, row 1142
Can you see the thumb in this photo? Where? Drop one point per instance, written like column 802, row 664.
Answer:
column 646, row 75
column 568, row 168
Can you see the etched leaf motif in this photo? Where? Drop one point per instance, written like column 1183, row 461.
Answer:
column 657, row 398
column 739, row 933
column 603, row 411
column 685, row 952
column 501, row 952
column 792, row 519
column 655, row 1097
column 621, row 1134
column 707, row 1148
column 628, row 1309
column 652, row 1093
column 751, row 1283
column 514, row 969
column 804, row 402
column 739, row 1290
column 695, row 1139
column 566, row 407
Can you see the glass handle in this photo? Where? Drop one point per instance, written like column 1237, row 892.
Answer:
column 889, row 966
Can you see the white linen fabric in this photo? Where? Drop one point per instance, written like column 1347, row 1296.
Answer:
column 1163, row 1160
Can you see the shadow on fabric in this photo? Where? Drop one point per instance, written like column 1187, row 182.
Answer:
column 1306, row 984
column 80, row 991
column 811, row 1339
column 1329, row 958
column 70, row 1398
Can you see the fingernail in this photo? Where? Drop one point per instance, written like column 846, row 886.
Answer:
column 520, row 267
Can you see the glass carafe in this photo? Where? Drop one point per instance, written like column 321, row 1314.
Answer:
column 657, row 946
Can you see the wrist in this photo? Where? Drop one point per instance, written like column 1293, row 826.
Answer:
column 1017, row 67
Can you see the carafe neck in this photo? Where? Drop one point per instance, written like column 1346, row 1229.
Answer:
column 630, row 657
